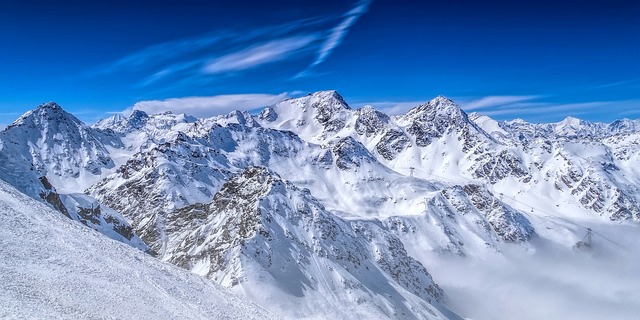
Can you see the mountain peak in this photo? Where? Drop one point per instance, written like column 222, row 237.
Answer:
column 331, row 96
column 121, row 123
column 439, row 105
column 325, row 111
column 571, row 120
column 46, row 113
column 137, row 118
column 50, row 105
column 138, row 114
column 326, row 93
column 440, row 99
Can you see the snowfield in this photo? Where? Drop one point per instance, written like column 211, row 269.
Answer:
column 52, row 267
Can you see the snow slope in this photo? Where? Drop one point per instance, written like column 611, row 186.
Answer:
column 55, row 268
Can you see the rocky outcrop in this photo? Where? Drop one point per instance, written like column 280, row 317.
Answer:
column 350, row 154
column 509, row 224
column 392, row 143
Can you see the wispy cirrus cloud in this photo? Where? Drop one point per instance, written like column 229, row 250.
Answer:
column 338, row 33
column 210, row 56
column 538, row 109
column 546, row 108
column 494, row 101
column 268, row 52
column 164, row 52
column 563, row 109
column 209, row 106
column 617, row 84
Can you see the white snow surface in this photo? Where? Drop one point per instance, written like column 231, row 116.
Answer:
column 53, row 268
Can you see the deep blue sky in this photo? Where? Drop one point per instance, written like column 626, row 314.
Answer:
column 537, row 60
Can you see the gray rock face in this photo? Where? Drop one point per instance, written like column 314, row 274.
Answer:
column 268, row 114
column 51, row 196
column 392, row 143
column 370, row 122
column 434, row 119
column 511, row 225
column 330, row 109
column 495, row 166
column 350, row 154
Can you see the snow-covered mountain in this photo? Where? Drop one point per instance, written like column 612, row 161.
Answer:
column 312, row 205
column 589, row 162
column 48, row 152
column 51, row 142
column 260, row 231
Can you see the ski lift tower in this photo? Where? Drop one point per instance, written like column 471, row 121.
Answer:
column 585, row 243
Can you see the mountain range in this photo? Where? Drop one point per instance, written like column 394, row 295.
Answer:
column 311, row 208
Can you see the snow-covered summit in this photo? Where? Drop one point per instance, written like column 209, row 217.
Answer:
column 52, row 142
column 315, row 116
column 44, row 114
column 121, row 123
column 438, row 105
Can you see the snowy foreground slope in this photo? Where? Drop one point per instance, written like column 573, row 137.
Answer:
column 54, row 268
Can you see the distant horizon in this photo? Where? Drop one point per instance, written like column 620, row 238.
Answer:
column 395, row 110
column 540, row 61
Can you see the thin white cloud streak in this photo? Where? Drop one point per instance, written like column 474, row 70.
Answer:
column 531, row 107
column 268, row 52
column 494, row 101
column 202, row 107
column 203, row 44
column 185, row 59
column 567, row 109
column 199, row 59
column 169, row 71
column 166, row 51
column 616, row 84
column 337, row 34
